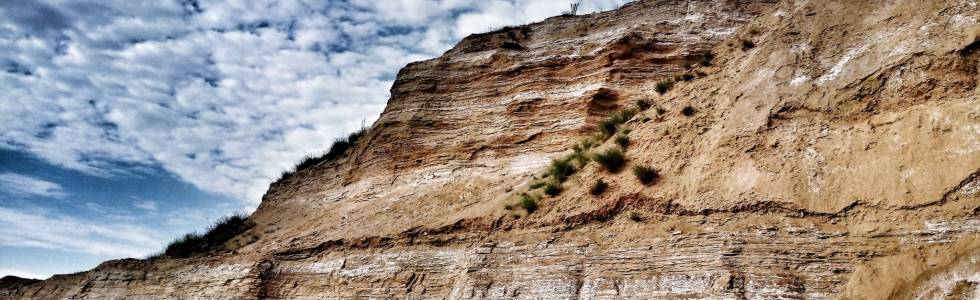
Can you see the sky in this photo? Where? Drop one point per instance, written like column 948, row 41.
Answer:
column 124, row 124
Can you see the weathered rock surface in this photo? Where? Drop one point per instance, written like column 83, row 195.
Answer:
column 837, row 158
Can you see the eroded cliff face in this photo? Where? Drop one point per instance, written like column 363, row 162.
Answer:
column 837, row 158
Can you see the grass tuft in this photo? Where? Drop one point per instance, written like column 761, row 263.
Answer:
column 529, row 202
column 598, row 187
column 643, row 104
column 336, row 150
column 552, row 188
column 664, row 85
column 645, row 174
column 687, row 111
column 623, row 141
column 611, row 159
column 195, row 244
column 748, row 44
column 561, row 168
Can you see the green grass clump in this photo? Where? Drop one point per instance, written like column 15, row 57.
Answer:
column 643, row 104
column 552, row 188
column 598, row 187
column 529, row 202
column 623, row 141
column 705, row 58
column 687, row 111
column 611, row 159
column 748, row 44
column 579, row 155
column 664, row 85
column 645, row 174
column 536, row 184
column 336, row 150
column 561, row 168
column 195, row 244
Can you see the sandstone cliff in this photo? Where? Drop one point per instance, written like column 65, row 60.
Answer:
column 831, row 149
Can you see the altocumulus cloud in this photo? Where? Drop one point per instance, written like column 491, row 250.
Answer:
column 223, row 94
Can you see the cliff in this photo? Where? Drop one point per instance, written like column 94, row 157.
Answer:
column 830, row 149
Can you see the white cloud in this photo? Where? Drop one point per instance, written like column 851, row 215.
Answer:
column 24, row 185
column 147, row 205
column 50, row 230
column 224, row 94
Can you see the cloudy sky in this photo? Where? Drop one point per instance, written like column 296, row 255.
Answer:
column 124, row 124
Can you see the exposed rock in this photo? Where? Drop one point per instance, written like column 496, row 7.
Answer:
column 837, row 158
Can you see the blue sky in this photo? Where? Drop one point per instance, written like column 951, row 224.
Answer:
column 124, row 124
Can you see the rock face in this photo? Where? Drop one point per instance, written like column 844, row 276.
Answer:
column 831, row 149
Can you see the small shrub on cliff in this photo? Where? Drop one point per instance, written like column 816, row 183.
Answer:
column 687, row 111
column 645, row 174
column 642, row 104
column 623, row 141
column 705, row 58
column 194, row 244
column 609, row 126
column 536, row 184
column 748, row 44
column 552, row 187
column 598, row 187
column 560, row 169
column 529, row 203
column 336, row 150
column 664, row 85
column 579, row 155
column 612, row 159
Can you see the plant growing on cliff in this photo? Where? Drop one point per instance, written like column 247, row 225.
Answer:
column 664, row 85
column 642, row 104
column 529, row 202
column 623, row 141
column 598, row 187
column 336, row 150
column 705, row 58
column 612, row 159
column 748, row 44
column 609, row 126
column 552, row 187
column 212, row 241
column 687, row 111
column 579, row 155
column 560, row 169
column 645, row 174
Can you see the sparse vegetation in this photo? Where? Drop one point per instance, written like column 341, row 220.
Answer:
column 529, row 202
column 748, row 44
column 598, row 187
column 560, row 169
column 336, row 150
column 572, row 9
column 687, row 111
column 536, row 184
column 623, row 141
column 645, row 174
column 552, row 187
column 213, row 241
column 636, row 217
column 609, row 126
column 612, row 159
column 705, row 58
column 687, row 76
column 642, row 104
column 664, row 85
column 579, row 154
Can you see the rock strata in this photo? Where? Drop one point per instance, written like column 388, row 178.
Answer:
column 824, row 150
